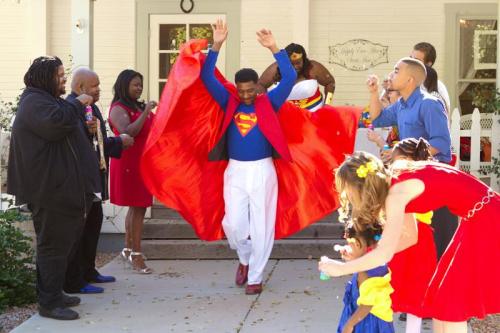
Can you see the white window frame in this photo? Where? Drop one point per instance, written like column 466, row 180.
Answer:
column 459, row 79
column 154, row 51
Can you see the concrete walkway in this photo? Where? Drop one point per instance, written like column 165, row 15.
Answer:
column 200, row 296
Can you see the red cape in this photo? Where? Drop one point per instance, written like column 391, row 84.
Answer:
column 175, row 164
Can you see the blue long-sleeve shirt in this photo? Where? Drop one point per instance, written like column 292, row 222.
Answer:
column 246, row 142
column 421, row 115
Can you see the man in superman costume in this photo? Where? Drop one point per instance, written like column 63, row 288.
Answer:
column 279, row 177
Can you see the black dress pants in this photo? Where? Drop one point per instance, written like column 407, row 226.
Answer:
column 445, row 224
column 81, row 267
column 57, row 235
column 90, row 239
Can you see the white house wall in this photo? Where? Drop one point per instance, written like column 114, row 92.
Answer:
column 114, row 43
column 397, row 24
column 14, row 43
column 59, row 30
column 255, row 15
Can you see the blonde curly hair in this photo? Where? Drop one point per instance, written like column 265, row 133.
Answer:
column 362, row 194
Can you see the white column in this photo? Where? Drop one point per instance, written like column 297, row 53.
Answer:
column 37, row 28
column 81, row 32
column 300, row 22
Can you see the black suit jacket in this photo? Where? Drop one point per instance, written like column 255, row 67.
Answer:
column 113, row 146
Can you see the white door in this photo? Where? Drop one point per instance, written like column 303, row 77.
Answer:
column 167, row 33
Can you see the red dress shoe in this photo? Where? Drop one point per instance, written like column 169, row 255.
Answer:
column 241, row 275
column 253, row 289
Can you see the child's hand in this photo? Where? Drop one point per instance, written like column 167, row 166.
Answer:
column 330, row 267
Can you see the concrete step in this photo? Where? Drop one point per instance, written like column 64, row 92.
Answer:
column 197, row 249
column 177, row 228
column 161, row 212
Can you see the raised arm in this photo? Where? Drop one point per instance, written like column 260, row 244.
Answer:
column 278, row 95
column 214, row 87
column 390, row 242
column 375, row 105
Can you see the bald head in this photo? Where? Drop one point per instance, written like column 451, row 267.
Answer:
column 85, row 81
column 416, row 69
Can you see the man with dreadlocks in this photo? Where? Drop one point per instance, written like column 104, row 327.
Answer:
column 310, row 75
column 52, row 168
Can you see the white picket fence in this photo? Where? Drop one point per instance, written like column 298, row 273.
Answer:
column 476, row 126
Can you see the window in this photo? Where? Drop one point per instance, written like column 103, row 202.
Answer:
column 477, row 62
column 167, row 33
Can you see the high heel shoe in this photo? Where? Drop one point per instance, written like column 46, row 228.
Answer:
column 140, row 270
column 126, row 257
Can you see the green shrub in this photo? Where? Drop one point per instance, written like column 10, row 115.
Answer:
column 17, row 271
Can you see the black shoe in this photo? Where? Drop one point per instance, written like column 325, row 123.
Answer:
column 58, row 313
column 70, row 301
column 402, row 317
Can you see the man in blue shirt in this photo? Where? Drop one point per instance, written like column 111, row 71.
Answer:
column 252, row 136
column 417, row 113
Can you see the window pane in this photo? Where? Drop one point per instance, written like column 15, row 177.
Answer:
column 476, row 95
column 171, row 36
column 160, row 89
column 201, row 31
column 166, row 62
column 487, row 49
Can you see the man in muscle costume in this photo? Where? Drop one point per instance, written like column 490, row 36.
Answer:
column 310, row 75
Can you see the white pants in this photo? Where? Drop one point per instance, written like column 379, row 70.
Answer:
column 250, row 198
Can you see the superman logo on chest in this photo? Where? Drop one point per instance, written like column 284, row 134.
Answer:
column 245, row 122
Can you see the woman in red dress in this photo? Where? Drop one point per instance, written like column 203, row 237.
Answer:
column 412, row 269
column 458, row 289
column 128, row 115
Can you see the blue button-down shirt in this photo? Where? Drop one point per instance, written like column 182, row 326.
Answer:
column 421, row 115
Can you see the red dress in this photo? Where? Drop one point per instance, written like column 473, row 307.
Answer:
column 464, row 284
column 126, row 187
column 413, row 268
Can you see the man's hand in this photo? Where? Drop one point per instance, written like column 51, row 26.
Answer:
column 266, row 39
column 385, row 101
column 219, row 32
column 372, row 83
column 85, row 99
column 92, row 126
column 127, row 140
